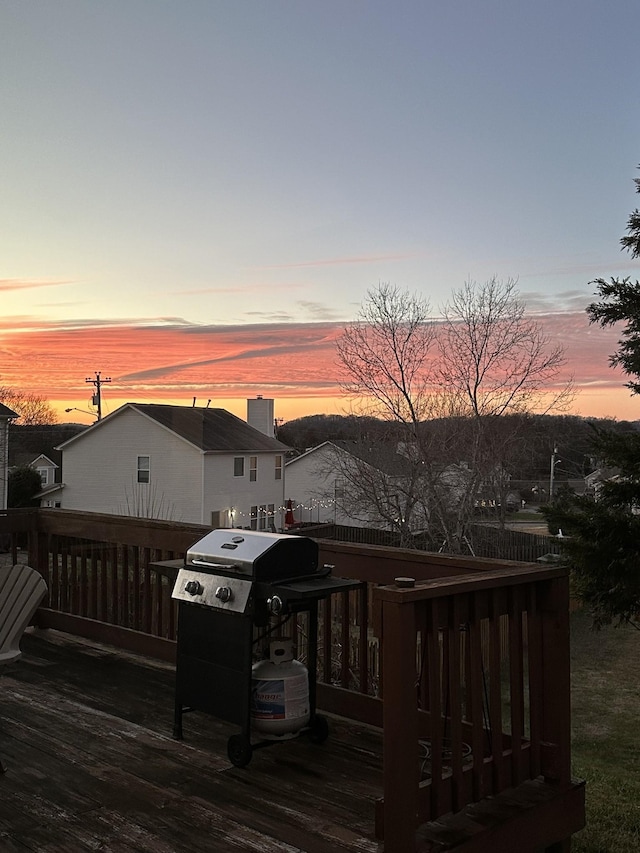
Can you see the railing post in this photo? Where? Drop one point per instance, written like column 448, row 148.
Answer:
column 400, row 724
column 37, row 547
column 556, row 684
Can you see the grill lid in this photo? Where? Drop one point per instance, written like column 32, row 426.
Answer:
column 254, row 554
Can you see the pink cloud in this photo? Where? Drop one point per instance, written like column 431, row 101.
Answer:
column 169, row 359
column 23, row 284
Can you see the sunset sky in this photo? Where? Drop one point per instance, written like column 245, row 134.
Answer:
column 197, row 194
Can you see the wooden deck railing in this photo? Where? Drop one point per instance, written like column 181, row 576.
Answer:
column 483, row 724
column 467, row 671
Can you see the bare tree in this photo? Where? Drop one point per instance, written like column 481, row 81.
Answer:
column 386, row 355
column 145, row 501
column 493, row 359
column 445, row 386
column 33, row 409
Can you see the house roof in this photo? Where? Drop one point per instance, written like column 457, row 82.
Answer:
column 210, row 430
column 6, row 413
column 53, row 487
column 382, row 456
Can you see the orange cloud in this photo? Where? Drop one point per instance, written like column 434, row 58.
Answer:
column 171, row 360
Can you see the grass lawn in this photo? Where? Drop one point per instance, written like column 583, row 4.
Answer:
column 606, row 734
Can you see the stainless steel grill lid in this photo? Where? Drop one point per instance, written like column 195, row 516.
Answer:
column 261, row 556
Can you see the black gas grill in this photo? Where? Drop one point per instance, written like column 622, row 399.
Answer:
column 234, row 585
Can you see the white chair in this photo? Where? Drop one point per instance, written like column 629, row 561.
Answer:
column 21, row 591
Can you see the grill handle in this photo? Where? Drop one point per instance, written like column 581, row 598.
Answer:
column 227, row 566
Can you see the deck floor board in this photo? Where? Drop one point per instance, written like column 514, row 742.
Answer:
column 85, row 731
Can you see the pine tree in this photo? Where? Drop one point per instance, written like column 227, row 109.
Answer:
column 604, row 534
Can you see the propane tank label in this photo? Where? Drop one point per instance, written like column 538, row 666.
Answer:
column 280, row 698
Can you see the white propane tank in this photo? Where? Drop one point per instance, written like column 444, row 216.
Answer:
column 279, row 693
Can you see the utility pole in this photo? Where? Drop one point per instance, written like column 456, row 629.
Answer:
column 554, row 462
column 96, row 399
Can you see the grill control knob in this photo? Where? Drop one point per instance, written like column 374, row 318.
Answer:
column 224, row 594
column 275, row 605
column 193, row 587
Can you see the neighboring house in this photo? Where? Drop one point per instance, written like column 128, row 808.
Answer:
column 6, row 415
column 35, row 446
column 319, row 483
column 313, row 484
column 178, row 463
column 49, row 477
column 351, row 483
column 593, row 481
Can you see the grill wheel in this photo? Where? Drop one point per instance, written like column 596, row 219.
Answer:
column 318, row 729
column 239, row 750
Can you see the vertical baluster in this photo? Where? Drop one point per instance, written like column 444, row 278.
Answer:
column 64, row 575
column 474, row 680
column 327, row 639
column 516, row 683
column 93, row 577
column 156, row 583
column 534, row 650
column 54, row 588
column 454, row 658
column 74, row 577
column 147, row 592
column 422, row 658
column 83, row 582
column 115, row 586
column 499, row 781
column 104, row 583
column 345, row 640
column 431, row 648
column 126, row 587
column 137, row 592
column 363, row 639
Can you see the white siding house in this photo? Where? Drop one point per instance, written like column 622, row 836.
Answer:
column 178, row 463
column 319, row 483
column 312, row 482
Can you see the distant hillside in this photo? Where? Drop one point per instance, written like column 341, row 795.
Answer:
column 536, row 437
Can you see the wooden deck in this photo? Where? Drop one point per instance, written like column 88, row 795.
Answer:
column 85, row 733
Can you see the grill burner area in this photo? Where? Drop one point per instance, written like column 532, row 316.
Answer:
column 231, row 583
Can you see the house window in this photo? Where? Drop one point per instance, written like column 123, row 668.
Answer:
column 271, row 517
column 254, row 518
column 44, row 476
column 238, row 466
column 144, row 469
column 278, row 467
column 262, row 517
column 253, row 468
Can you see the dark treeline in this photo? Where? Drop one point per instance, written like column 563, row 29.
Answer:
column 534, row 439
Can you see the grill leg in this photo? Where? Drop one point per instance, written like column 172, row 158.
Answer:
column 312, row 656
column 177, row 721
